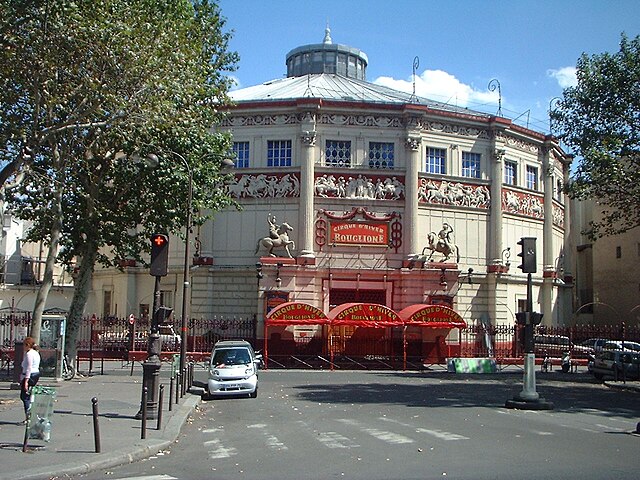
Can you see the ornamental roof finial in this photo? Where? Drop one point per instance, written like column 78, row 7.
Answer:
column 327, row 35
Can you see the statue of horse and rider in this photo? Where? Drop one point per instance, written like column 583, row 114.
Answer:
column 278, row 238
column 442, row 243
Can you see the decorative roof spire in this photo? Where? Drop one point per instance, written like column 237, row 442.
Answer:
column 327, row 35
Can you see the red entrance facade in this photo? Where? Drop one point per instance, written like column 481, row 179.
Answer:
column 359, row 335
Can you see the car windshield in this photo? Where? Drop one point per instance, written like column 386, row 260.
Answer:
column 235, row 356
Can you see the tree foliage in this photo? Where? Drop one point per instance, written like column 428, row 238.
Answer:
column 87, row 87
column 599, row 119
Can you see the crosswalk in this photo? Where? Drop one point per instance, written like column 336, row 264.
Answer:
column 336, row 433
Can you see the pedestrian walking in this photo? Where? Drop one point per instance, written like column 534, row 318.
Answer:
column 30, row 372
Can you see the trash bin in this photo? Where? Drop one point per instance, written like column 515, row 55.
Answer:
column 40, row 413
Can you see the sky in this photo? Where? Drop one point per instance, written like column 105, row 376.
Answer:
column 515, row 55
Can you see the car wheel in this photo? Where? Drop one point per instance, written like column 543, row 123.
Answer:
column 254, row 394
column 598, row 376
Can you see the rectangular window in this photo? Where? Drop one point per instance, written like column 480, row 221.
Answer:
column 241, row 152
column 166, row 298
column 436, row 160
column 559, row 189
column 510, row 173
column 106, row 303
column 532, row 177
column 338, row 153
column 470, row 164
column 381, row 155
column 279, row 153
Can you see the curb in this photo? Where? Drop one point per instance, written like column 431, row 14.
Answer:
column 139, row 451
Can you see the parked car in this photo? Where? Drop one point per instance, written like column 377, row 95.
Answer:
column 594, row 344
column 620, row 345
column 233, row 369
column 170, row 339
column 617, row 364
column 551, row 345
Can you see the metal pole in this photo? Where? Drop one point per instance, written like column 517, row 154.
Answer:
column 160, row 399
column 186, row 279
column 143, row 434
column 96, row 426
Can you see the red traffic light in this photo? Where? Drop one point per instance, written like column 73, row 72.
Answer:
column 159, row 255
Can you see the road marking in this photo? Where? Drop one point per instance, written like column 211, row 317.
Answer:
column 213, row 430
column 148, row 477
column 384, row 435
column 335, row 440
column 448, row 436
column 219, row 451
column 271, row 440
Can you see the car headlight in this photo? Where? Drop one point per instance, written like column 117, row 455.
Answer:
column 215, row 373
column 248, row 371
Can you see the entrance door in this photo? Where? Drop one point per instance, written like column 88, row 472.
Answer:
column 368, row 341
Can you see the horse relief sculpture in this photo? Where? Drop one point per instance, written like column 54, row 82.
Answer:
column 442, row 243
column 278, row 238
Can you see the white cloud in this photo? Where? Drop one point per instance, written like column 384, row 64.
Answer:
column 565, row 76
column 441, row 86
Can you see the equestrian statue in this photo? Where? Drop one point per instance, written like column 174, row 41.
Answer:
column 278, row 238
column 442, row 243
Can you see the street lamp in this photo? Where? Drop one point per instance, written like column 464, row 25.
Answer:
column 226, row 164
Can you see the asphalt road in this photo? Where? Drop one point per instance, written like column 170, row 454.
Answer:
column 390, row 425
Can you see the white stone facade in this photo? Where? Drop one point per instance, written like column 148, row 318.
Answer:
column 315, row 158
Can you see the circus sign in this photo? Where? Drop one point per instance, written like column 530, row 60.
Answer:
column 359, row 233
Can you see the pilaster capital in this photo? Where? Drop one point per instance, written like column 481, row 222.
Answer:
column 308, row 138
column 413, row 142
column 498, row 154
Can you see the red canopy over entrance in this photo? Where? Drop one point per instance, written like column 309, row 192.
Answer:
column 364, row 315
column 296, row 313
column 432, row 316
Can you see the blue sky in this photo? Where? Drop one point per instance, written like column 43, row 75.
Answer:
column 530, row 47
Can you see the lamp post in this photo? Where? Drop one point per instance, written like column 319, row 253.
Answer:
column 226, row 164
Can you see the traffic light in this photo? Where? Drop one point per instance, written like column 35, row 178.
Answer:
column 528, row 254
column 159, row 255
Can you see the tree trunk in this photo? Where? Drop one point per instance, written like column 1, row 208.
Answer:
column 79, row 301
column 47, row 281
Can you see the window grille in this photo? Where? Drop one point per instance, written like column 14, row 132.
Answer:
column 381, row 155
column 338, row 153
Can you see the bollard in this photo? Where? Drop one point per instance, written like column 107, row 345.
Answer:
column 171, row 394
column 160, row 398
column 96, row 426
column 191, row 373
column 177, row 388
column 143, row 427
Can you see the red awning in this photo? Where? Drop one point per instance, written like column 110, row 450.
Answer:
column 432, row 316
column 296, row 313
column 364, row 315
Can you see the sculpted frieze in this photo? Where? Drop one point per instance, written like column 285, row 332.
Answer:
column 517, row 143
column 359, row 186
column 459, row 194
column 456, row 129
column 522, row 203
column 265, row 186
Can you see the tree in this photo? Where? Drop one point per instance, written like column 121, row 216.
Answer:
column 599, row 119
column 115, row 81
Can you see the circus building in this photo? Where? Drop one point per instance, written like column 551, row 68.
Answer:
column 354, row 194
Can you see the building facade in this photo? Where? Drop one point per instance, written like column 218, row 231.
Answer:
column 354, row 192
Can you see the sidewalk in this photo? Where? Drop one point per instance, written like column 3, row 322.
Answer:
column 72, row 447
